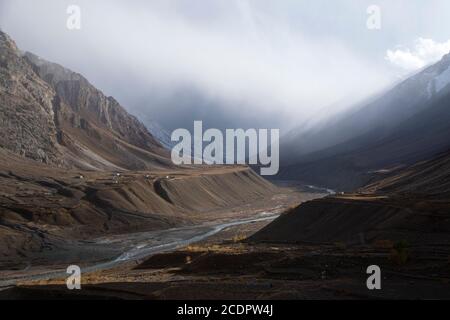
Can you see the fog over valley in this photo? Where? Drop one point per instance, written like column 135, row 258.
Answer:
column 230, row 63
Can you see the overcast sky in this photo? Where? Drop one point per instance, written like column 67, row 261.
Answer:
column 233, row 63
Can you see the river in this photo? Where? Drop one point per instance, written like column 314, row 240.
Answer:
column 136, row 246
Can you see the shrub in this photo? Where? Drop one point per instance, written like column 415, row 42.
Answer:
column 400, row 252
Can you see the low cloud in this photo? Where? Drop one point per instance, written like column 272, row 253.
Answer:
column 225, row 60
column 423, row 53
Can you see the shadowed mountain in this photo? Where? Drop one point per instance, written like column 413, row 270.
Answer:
column 410, row 204
column 431, row 178
column 407, row 124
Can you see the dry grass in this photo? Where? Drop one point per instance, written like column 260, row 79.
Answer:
column 203, row 248
column 239, row 237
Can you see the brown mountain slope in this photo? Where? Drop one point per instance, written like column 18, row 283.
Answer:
column 62, row 142
column 412, row 204
column 44, row 209
column 56, row 116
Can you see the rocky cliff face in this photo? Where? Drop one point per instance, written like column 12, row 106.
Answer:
column 84, row 99
column 27, row 125
column 53, row 115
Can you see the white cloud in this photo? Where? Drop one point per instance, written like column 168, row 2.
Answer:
column 424, row 52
